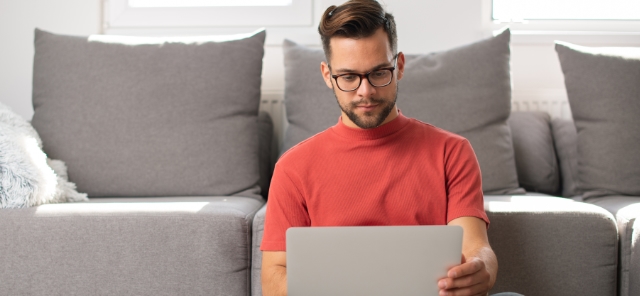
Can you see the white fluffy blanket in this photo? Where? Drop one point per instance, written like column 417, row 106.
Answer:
column 27, row 177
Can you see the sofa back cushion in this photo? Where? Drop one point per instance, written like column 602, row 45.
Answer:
column 536, row 160
column 603, row 86
column 151, row 116
column 565, row 138
column 465, row 90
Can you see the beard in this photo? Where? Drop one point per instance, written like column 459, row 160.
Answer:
column 370, row 119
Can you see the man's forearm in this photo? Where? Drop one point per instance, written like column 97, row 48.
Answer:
column 274, row 281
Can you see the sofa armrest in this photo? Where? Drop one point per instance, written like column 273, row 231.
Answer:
column 256, row 258
column 633, row 270
column 552, row 246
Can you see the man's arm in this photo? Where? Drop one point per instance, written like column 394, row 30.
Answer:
column 477, row 273
column 274, row 273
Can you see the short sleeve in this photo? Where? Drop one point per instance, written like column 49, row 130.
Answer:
column 285, row 208
column 464, row 183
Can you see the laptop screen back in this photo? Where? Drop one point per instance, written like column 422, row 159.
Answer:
column 370, row 260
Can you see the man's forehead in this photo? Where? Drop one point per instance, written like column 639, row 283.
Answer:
column 360, row 53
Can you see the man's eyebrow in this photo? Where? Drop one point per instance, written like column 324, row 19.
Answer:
column 381, row 65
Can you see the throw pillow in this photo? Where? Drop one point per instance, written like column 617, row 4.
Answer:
column 151, row 116
column 603, row 86
column 26, row 175
column 536, row 160
column 466, row 90
column 565, row 139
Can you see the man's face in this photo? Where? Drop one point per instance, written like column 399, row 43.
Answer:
column 367, row 106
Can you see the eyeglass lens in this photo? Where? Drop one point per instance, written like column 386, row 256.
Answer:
column 375, row 78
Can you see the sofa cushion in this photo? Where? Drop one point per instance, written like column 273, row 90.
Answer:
column 536, row 160
column 265, row 137
column 604, row 94
column 465, row 90
column 565, row 138
column 129, row 246
column 256, row 258
column 552, row 246
column 626, row 210
column 310, row 105
column 151, row 116
column 634, row 261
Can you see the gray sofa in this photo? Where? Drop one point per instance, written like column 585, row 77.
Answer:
column 174, row 220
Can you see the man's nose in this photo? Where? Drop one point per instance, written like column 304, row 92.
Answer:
column 366, row 89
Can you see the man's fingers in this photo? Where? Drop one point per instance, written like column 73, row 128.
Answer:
column 480, row 289
column 467, row 268
column 466, row 281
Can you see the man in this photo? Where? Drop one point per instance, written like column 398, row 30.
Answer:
column 376, row 166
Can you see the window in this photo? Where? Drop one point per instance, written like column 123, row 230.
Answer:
column 131, row 14
column 593, row 22
column 206, row 3
column 508, row 10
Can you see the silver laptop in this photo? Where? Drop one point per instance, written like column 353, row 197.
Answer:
column 370, row 260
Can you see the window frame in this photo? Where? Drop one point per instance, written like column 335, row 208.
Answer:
column 589, row 32
column 119, row 15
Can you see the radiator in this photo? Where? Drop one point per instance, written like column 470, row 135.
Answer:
column 272, row 103
column 555, row 108
column 552, row 101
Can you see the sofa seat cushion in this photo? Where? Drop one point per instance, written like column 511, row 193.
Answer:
column 539, row 240
column 627, row 210
column 129, row 246
column 256, row 258
column 634, row 260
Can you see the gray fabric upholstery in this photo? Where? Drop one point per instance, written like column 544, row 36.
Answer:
column 604, row 90
column 151, row 117
column 536, row 160
column 565, row 138
column 465, row 90
column 552, row 246
column 626, row 210
column 256, row 258
column 634, row 262
column 265, row 140
column 310, row 105
column 129, row 246
column 545, row 246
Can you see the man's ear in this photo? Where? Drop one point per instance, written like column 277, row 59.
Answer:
column 400, row 65
column 326, row 74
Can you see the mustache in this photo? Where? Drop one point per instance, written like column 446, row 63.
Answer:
column 367, row 102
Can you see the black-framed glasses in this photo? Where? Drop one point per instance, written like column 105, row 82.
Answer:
column 378, row 78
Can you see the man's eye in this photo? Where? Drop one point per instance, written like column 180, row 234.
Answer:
column 349, row 77
column 379, row 74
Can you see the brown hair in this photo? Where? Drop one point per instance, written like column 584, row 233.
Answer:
column 356, row 19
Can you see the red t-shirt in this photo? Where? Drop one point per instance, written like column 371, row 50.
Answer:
column 405, row 172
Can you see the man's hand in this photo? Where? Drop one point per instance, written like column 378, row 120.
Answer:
column 469, row 278
column 477, row 272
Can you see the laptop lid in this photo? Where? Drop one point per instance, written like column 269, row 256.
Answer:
column 370, row 260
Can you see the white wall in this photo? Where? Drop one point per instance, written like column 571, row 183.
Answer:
column 423, row 26
column 18, row 19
